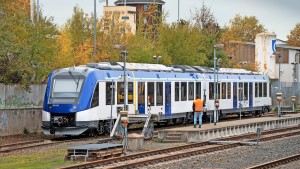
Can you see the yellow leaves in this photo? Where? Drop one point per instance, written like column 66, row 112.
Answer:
column 240, row 30
column 294, row 37
column 83, row 52
column 65, row 57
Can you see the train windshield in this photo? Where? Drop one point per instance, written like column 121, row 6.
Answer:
column 66, row 89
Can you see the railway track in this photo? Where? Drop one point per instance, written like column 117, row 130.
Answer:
column 275, row 163
column 8, row 148
column 161, row 155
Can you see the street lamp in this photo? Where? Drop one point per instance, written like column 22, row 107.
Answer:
column 279, row 94
column 178, row 12
column 278, row 55
column 156, row 58
column 218, row 85
column 95, row 24
column 217, row 46
column 124, row 54
column 295, row 70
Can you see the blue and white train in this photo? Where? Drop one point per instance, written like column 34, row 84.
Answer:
column 83, row 99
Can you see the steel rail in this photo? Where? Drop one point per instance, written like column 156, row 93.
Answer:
column 194, row 152
column 177, row 148
column 174, row 156
column 275, row 163
column 20, row 143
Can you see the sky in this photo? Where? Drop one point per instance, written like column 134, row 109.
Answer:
column 279, row 16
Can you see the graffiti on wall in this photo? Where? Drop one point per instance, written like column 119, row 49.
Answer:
column 17, row 102
column 4, row 121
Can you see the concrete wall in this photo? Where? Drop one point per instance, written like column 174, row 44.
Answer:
column 20, row 109
column 14, row 96
column 14, row 121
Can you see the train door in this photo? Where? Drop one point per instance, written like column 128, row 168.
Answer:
column 234, row 95
column 141, row 97
column 168, row 99
column 250, row 94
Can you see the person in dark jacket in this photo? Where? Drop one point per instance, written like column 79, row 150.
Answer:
column 198, row 111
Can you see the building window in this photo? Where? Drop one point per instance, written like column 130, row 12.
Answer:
column 145, row 8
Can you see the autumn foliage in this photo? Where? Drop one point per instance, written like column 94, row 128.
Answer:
column 31, row 49
column 294, row 37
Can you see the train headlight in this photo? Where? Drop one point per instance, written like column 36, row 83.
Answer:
column 50, row 107
column 74, row 107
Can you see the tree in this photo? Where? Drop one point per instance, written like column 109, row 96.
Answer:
column 294, row 37
column 204, row 20
column 26, row 49
column 240, row 30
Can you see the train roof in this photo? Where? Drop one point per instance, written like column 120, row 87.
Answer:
column 147, row 67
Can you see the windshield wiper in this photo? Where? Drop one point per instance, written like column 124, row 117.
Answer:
column 77, row 82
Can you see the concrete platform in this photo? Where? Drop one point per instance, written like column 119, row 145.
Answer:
column 227, row 128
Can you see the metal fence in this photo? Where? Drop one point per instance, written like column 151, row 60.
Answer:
column 13, row 96
column 288, row 89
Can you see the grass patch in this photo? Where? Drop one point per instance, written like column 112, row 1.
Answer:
column 44, row 160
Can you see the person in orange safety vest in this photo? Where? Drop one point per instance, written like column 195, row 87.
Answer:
column 198, row 111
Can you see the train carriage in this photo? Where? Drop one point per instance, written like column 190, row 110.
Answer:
column 85, row 98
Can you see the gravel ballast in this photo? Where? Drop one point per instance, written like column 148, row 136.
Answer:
column 240, row 157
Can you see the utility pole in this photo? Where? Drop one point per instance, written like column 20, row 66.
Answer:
column 95, row 30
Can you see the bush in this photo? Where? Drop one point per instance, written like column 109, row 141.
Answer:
column 26, row 131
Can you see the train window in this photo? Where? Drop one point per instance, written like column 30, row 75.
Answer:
column 245, row 91
column 130, row 93
column 176, row 91
column 240, row 89
column 256, row 89
column 260, row 89
column 228, row 90
column 223, row 90
column 120, row 91
column 211, row 91
column 265, row 91
column 198, row 89
column 191, row 91
column 150, row 93
column 141, row 93
column 110, row 97
column 95, row 99
column 159, row 93
column 183, row 91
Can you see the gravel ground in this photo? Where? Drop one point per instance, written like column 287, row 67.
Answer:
column 240, row 157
